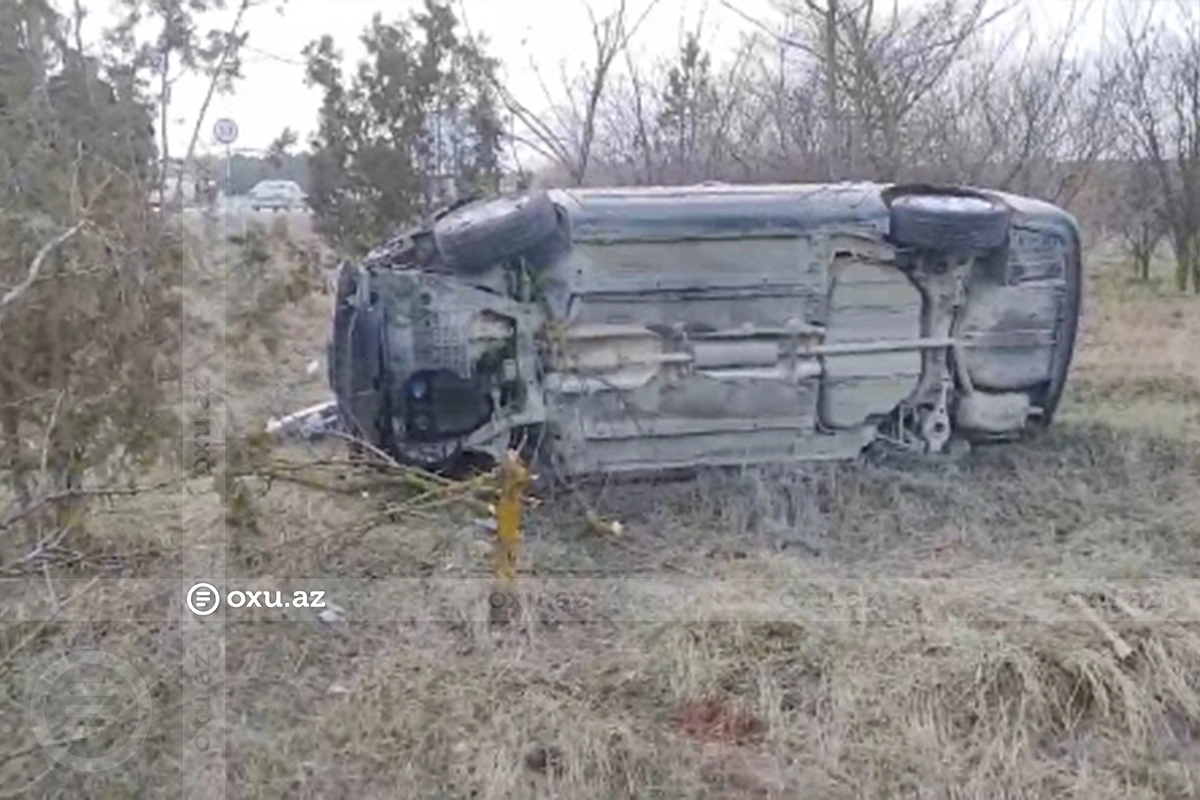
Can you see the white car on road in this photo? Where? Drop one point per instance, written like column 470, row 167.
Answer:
column 277, row 196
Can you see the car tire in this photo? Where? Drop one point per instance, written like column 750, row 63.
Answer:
column 475, row 236
column 946, row 219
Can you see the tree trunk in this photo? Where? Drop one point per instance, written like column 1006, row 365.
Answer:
column 1141, row 262
column 1195, row 267
column 164, row 118
column 833, row 136
column 10, row 428
column 1183, row 260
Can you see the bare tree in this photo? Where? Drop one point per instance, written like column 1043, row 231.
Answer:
column 876, row 65
column 1160, row 104
column 1141, row 221
column 1025, row 117
column 675, row 121
column 565, row 134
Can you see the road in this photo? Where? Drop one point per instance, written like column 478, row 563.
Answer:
column 237, row 214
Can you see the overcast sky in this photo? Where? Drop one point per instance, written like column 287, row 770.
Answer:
column 549, row 33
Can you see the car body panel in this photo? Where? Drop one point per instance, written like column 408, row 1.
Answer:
column 719, row 325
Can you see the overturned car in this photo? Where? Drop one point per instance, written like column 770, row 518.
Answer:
column 635, row 329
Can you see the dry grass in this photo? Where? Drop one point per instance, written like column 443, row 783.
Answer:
column 1137, row 365
column 942, row 697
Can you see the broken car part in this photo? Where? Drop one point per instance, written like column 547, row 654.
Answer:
column 308, row 423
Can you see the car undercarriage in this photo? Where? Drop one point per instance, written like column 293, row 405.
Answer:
column 645, row 329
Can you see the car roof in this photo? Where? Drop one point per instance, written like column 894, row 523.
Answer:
column 721, row 210
column 634, row 213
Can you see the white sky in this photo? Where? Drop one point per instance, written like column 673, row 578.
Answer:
column 551, row 33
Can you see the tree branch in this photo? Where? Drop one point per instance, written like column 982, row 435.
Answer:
column 35, row 268
column 230, row 38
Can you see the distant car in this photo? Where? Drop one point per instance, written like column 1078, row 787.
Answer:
column 277, row 196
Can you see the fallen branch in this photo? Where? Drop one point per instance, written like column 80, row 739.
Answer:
column 35, row 268
column 24, row 511
column 36, row 632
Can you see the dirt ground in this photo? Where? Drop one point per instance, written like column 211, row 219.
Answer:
column 947, row 689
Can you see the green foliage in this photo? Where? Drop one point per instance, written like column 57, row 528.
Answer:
column 178, row 42
column 280, row 147
column 418, row 114
column 90, row 346
column 177, row 47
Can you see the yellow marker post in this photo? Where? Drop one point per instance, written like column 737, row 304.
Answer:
column 514, row 477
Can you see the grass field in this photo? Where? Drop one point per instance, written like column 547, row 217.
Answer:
column 950, row 690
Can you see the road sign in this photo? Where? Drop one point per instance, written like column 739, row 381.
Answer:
column 225, row 131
